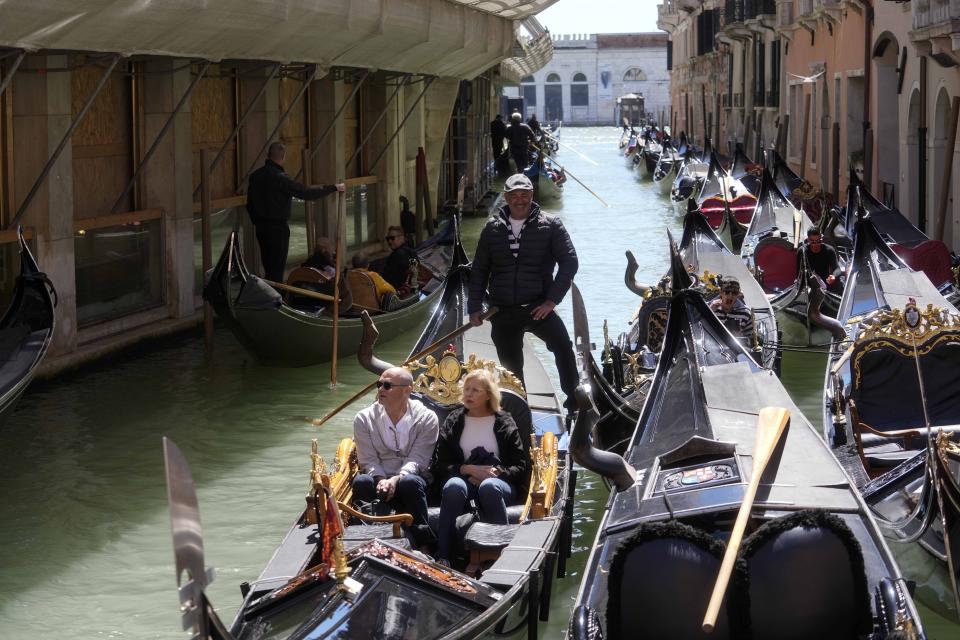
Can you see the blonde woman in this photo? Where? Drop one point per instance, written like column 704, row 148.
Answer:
column 479, row 455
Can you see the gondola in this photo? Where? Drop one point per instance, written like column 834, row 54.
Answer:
column 691, row 175
column 801, row 193
column 277, row 333
column 726, row 203
column 745, row 170
column 650, row 153
column 26, row 329
column 668, row 165
column 813, row 563
column 340, row 573
column 917, row 249
column 627, row 364
column 547, row 178
column 770, row 247
column 891, row 410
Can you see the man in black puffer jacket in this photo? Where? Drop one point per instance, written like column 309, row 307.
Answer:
column 518, row 250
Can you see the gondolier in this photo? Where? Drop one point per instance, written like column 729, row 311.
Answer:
column 731, row 310
column 268, row 203
column 821, row 258
column 519, row 136
column 516, row 255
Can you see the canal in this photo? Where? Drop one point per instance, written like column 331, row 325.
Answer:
column 85, row 547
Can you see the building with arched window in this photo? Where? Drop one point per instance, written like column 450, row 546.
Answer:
column 589, row 72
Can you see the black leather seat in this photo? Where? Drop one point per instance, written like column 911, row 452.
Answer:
column 660, row 583
column 806, row 579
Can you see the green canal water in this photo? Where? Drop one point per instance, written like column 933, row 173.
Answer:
column 85, row 549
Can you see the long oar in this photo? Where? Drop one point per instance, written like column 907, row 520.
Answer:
column 567, row 172
column 566, row 146
column 450, row 336
column 771, row 422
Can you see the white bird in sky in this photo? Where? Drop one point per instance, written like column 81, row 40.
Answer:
column 807, row 79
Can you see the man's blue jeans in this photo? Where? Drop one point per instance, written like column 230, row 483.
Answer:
column 492, row 496
column 410, row 496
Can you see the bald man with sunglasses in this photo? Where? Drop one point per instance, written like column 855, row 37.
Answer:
column 395, row 439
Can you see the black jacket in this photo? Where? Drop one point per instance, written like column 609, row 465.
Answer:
column 397, row 265
column 528, row 278
column 498, row 131
column 514, row 460
column 520, row 135
column 270, row 192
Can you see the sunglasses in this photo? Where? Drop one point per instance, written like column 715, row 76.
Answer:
column 386, row 384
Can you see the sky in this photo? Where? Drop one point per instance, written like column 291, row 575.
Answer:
column 599, row 16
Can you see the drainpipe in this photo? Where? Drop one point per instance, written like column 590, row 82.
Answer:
column 922, row 151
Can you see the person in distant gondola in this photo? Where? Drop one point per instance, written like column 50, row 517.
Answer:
column 385, row 291
column 821, row 258
column 408, row 221
column 534, row 125
column 731, row 310
column 396, row 268
column 322, row 259
column 518, row 250
column 269, row 193
column 520, row 136
column 479, row 455
column 395, row 439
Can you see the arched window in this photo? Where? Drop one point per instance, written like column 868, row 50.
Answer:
column 579, row 91
column 634, row 74
column 553, row 78
column 529, row 86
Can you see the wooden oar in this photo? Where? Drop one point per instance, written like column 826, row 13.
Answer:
column 566, row 146
column 567, row 172
column 338, row 261
column 450, row 336
column 771, row 422
column 312, row 294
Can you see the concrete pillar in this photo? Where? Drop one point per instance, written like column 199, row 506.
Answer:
column 168, row 177
column 439, row 100
column 42, row 113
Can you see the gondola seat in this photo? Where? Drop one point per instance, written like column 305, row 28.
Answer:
column 805, row 579
column 660, row 582
column 930, row 256
column 777, row 258
column 484, row 542
column 357, row 534
column 363, row 290
column 313, row 280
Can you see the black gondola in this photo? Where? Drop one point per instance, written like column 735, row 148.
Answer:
column 891, row 410
column 814, row 564
column 727, row 204
column 627, row 364
column 367, row 582
column 25, row 330
column 801, row 193
column 770, row 249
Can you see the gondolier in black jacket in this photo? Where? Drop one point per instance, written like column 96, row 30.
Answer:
column 520, row 136
column 518, row 250
column 268, row 203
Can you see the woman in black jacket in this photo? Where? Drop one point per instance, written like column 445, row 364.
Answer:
column 479, row 455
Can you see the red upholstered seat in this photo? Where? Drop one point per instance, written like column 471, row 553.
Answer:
column 742, row 208
column 778, row 259
column 712, row 209
column 932, row 257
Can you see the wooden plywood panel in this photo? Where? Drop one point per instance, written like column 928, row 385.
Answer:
column 213, row 117
column 102, row 144
column 293, row 133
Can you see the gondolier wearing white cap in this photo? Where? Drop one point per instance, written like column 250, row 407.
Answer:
column 524, row 263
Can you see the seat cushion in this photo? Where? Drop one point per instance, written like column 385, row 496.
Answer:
column 483, row 536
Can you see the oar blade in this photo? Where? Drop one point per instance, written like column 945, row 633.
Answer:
column 771, row 421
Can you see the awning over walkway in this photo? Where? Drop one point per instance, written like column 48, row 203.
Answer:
column 535, row 52
column 458, row 38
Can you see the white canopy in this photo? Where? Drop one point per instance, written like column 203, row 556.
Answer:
column 458, row 38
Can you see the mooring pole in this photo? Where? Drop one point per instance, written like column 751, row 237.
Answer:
column 206, row 242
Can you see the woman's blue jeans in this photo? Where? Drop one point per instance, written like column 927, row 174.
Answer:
column 492, row 497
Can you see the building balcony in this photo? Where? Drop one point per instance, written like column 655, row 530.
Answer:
column 733, row 26
column 667, row 16
column 829, row 10
column 785, row 14
column 687, row 5
column 936, row 29
column 753, row 9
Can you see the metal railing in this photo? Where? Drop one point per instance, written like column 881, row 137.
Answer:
column 733, row 12
column 754, row 8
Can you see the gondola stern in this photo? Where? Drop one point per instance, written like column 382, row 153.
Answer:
column 679, row 276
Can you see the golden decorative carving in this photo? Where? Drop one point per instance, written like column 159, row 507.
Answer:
column 946, row 446
column 907, row 331
column 442, row 380
column 414, row 566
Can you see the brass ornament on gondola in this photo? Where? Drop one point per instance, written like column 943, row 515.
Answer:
column 441, row 380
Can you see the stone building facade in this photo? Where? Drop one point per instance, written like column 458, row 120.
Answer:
column 590, row 71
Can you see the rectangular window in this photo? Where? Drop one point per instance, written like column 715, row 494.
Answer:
column 579, row 95
column 774, row 99
column 759, row 75
column 669, row 55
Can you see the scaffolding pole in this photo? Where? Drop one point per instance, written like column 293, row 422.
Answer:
column 376, row 122
column 423, row 92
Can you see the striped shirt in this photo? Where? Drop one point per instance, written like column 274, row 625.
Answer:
column 739, row 320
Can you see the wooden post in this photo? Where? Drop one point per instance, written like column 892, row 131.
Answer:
column 309, row 206
column 418, row 204
column 747, row 134
column 716, row 117
column 868, row 158
column 782, row 135
column 206, row 243
column 803, row 138
column 947, row 169
column 427, row 204
column 703, row 111
column 835, row 184
column 338, row 262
